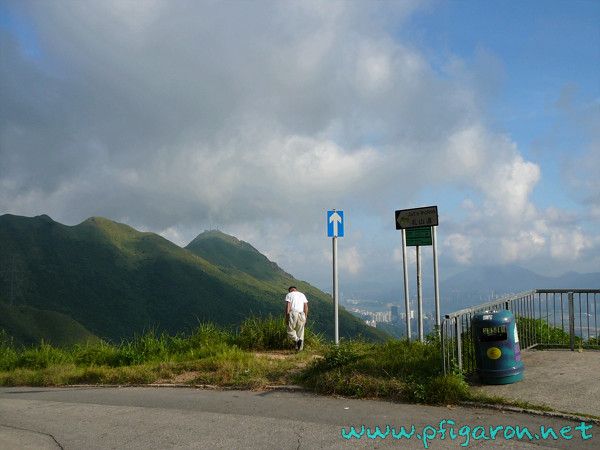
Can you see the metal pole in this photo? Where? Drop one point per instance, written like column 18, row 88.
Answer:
column 571, row 321
column 443, row 344
column 458, row 332
column 438, row 319
column 406, row 298
column 335, row 292
column 420, row 294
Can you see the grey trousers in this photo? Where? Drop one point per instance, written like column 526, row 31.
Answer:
column 295, row 326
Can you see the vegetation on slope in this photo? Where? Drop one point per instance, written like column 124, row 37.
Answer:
column 247, row 265
column 116, row 281
column 217, row 356
column 29, row 326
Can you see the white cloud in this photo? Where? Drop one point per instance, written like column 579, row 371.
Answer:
column 351, row 261
column 567, row 245
column 522, row 246
column 460, row 247
column 173, row 235
column 509, row 186
column 255, row 118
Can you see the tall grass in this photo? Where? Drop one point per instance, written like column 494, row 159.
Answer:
column 214, row 355
column 396, row 369
column 271, row 334
column 207, row 340
column 8, row 353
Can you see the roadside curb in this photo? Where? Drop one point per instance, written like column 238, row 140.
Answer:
column 285, row 388
column 536, row 412
column 297, row 388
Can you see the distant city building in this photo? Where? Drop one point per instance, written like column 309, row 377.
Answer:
column 395, row 314
column 403, row 315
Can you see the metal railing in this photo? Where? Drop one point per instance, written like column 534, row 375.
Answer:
column 568, row 318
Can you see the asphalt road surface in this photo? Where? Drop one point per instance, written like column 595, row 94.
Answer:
column 164, row 418
column 561, row 379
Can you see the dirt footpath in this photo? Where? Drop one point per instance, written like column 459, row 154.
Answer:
column 563, row 380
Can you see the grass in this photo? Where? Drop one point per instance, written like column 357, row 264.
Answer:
column 256, row 355
column 397, row 370
column 270, row 334
column 209, row 355
column 253, row 356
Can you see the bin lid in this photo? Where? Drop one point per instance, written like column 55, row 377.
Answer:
column 492, row 318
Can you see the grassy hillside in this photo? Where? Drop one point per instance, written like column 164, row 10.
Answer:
column 29, row 326
column 257, row 356
column 116, row 281
column 248, row 265
column 228, row 252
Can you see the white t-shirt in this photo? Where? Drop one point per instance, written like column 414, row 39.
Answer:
column 297, row 299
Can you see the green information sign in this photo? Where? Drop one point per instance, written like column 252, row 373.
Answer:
column 418, row 236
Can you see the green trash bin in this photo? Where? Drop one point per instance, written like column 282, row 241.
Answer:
column 497, row 351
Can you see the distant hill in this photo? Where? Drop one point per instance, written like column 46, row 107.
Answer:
column 479, row 284
column 249, row 267
column 28, row 326
column 115, row 281
column 471, row 287
column 233, row 255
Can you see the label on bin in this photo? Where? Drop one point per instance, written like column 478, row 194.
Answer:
column 516, row 335
column 494, row 353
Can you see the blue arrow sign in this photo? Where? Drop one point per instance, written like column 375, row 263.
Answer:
column 335, row 223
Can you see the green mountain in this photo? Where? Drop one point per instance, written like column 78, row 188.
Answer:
column 27, row 325
column 113, row 281
column 233, row 255
column 247, row 265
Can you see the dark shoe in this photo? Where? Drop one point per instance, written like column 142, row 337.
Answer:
column 299, row 344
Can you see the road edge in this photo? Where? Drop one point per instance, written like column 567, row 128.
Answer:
column 297, row 388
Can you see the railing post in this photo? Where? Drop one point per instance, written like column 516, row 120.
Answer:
column 458, row 331
column 442, row 329
column 571, row 321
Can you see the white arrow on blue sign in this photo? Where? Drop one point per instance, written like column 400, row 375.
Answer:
column 335, row 223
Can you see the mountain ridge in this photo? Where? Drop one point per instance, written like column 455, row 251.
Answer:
column 116, row 281
column 471, row 287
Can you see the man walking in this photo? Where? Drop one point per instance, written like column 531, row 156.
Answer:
column 296, row 311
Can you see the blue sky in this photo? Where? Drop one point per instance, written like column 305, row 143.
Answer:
column 177, row 117
column 543, row 49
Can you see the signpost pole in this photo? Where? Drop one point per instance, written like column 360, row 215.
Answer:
column 420, row 294
column 438, row 320
column 335, row 291
column 419, row 226
column 406, row 298
column 335, row 229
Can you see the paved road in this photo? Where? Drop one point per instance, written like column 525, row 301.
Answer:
column 153, row 418
column 561, row 379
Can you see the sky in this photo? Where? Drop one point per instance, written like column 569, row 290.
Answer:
column 256, row 118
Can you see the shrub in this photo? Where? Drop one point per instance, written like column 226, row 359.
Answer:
column 41, row 357
column 270, row 333
column 97, row 354
column 8, row 353
column 208, row 334
column 445, row 389
column 263, row 334
column 397, row 369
